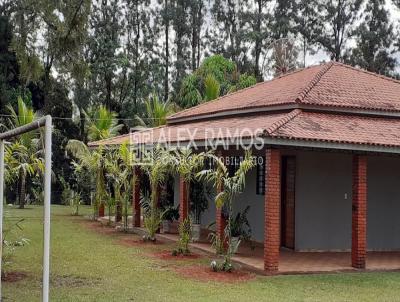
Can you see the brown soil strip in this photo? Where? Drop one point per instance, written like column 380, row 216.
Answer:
column 167, row 255
column 13, row 277
column 205, row 274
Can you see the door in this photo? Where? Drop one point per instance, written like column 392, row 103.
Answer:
column 288, row 201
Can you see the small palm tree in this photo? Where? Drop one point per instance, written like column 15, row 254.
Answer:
column 102, row 124
column 230, row 187
column 156, row 112
column 23, row 162
column 118, row 166
column 94, row 161
column 24, row 154
column 23, row 116
column 157, row 171
column 187, row 164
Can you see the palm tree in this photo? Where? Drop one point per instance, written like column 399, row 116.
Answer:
column 156, row 112
column 157, row 172
column 187, row 164
column 23, row 162
column 24, row 154
column 94, row 161
column 230, row 186
column 102, row 124
column 23, row 116
column 118, row 166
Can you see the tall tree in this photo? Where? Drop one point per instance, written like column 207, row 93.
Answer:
column 9, row 70
column 141, row 70
column 197, row 10
column 374, row 38
column 182, row 33
column 227, row 35
column 105, row 41
column 257, row 31
column 61, row 26
column 165, row 11
column 282, row 22
column 338, row 17
column 308, row 25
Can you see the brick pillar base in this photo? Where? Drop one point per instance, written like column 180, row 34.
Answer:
column 183, row 200
column 101, row 210
column 359, row 212
column 272, row 210
column 136, row 198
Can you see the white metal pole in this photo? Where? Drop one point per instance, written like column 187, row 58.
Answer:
column 47, row 192
column 1, row 206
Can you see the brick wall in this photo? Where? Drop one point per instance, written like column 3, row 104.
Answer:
column 359, row 212
column 272, row 209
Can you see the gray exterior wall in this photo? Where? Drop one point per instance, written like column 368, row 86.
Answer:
column 383, row 216
column 323, row 201
column 256, row 203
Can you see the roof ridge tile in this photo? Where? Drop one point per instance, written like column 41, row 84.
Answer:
column 283, row 121
column 302, row 95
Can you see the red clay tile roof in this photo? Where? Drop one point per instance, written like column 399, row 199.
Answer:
column 330, row 84
column 247, row 126
column 294, row 125
column 351, row 129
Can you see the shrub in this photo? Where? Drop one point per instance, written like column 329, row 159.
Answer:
column 185, row 236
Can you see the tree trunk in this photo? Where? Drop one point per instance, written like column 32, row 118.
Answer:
column 22, row 190
column 166, row 88
column 257, row 51
column 82, row 125
column 118, row 206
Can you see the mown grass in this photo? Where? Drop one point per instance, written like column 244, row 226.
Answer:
column 90, row 266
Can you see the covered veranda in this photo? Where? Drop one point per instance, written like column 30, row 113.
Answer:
column 327, row 235
column 292, row 262
column 338, row 179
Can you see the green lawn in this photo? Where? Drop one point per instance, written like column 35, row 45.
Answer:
column 89, row 266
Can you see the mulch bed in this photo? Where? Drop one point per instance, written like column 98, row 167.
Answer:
column 138, row 242
column 202, row 273
column 167, row 255
column 13, row 277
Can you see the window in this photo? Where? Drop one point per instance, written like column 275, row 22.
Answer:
column 260, row 181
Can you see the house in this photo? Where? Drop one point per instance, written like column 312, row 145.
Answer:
column 328, row 137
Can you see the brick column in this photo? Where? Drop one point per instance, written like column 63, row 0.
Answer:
column 359, row 212
column 136, row 198
column 183, row 200
column 272, row 209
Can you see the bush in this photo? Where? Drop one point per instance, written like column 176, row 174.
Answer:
column 185, row 236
